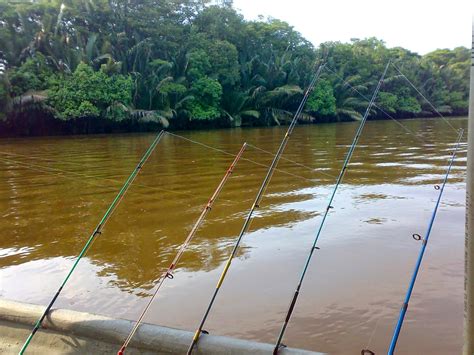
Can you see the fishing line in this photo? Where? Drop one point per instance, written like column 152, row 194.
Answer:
column 27, row 164
column 83, row 165
column 168, row 274
column 292, row 161
column 48, row 172
column 32, row 157
column 424, row 97
column 97, row 231
column 416, row 135
column 358, row 133
column 62, row 172
column 369, row 342
column 255, row 205
column 424, row 242
column 233, row 155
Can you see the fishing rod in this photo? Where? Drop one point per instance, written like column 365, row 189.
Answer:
column 424, row 242
column 255, row 205
column 329, row 206
column 97, row 231
column 168, row 274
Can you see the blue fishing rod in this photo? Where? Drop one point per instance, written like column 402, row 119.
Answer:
column 424, row 242
column 97, row 231
column 329, row 206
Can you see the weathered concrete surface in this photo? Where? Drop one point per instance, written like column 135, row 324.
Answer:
column 70, row 332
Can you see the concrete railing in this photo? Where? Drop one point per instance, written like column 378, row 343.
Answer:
column 68, row 332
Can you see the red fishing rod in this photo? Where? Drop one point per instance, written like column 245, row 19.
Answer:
column 168, row 274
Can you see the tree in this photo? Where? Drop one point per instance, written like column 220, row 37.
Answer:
column 207, row 95
column 237, row 107
column 88, row 93
column 32, row 75
column 188, row 59
column 321, row 100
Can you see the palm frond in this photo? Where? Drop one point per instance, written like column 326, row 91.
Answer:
column 163, row 82
column 90, row 46
column 29, row 99
column 285, row 91
column 349, row 113
column 251, row 113
column 180, row 103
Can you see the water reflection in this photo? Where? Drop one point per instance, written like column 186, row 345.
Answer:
column 54, row 190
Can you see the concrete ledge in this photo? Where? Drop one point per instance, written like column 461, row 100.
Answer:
column 69, row 332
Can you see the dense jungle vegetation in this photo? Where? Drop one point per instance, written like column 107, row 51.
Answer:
column 97, row 66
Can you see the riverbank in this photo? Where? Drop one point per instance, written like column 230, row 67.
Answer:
column 69, row 332
column 44, row 125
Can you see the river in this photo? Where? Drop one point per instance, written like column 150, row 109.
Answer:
column 54, row 190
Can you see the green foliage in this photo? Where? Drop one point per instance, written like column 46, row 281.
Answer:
column 408, row 105
column 213, row 58
column 224, row 63
column 322, row 101
column 4, row 98
column 207, row 94
column 457, row 100
column 237, row 107
column 160, row 61
column 88, row 93
column 32, row 75
column 170, row 88
column 388, row 101
column 199, row 64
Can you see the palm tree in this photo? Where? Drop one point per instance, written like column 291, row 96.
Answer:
column 271, row 85
column 166, row 95
column 236, row 106
column 349, row 102
column 277, row 100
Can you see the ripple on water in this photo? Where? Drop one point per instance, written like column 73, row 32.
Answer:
column 354, row 286
column 15, row 251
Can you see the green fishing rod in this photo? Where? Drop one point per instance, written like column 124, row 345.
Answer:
column 97, row 231
column 329, row 207
column 168, row 273
column 424, row 242
column 255, row 205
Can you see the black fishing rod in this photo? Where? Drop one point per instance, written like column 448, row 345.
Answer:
column 329, row 206
column 168, row 273
column 97, row 231
column 424, row 243
column 255, row 205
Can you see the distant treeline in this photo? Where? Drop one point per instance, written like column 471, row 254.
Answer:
column 98, row 65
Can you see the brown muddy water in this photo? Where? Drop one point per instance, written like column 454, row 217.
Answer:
column 53, row 192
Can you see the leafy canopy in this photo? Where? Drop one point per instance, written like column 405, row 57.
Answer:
column 88, row 93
